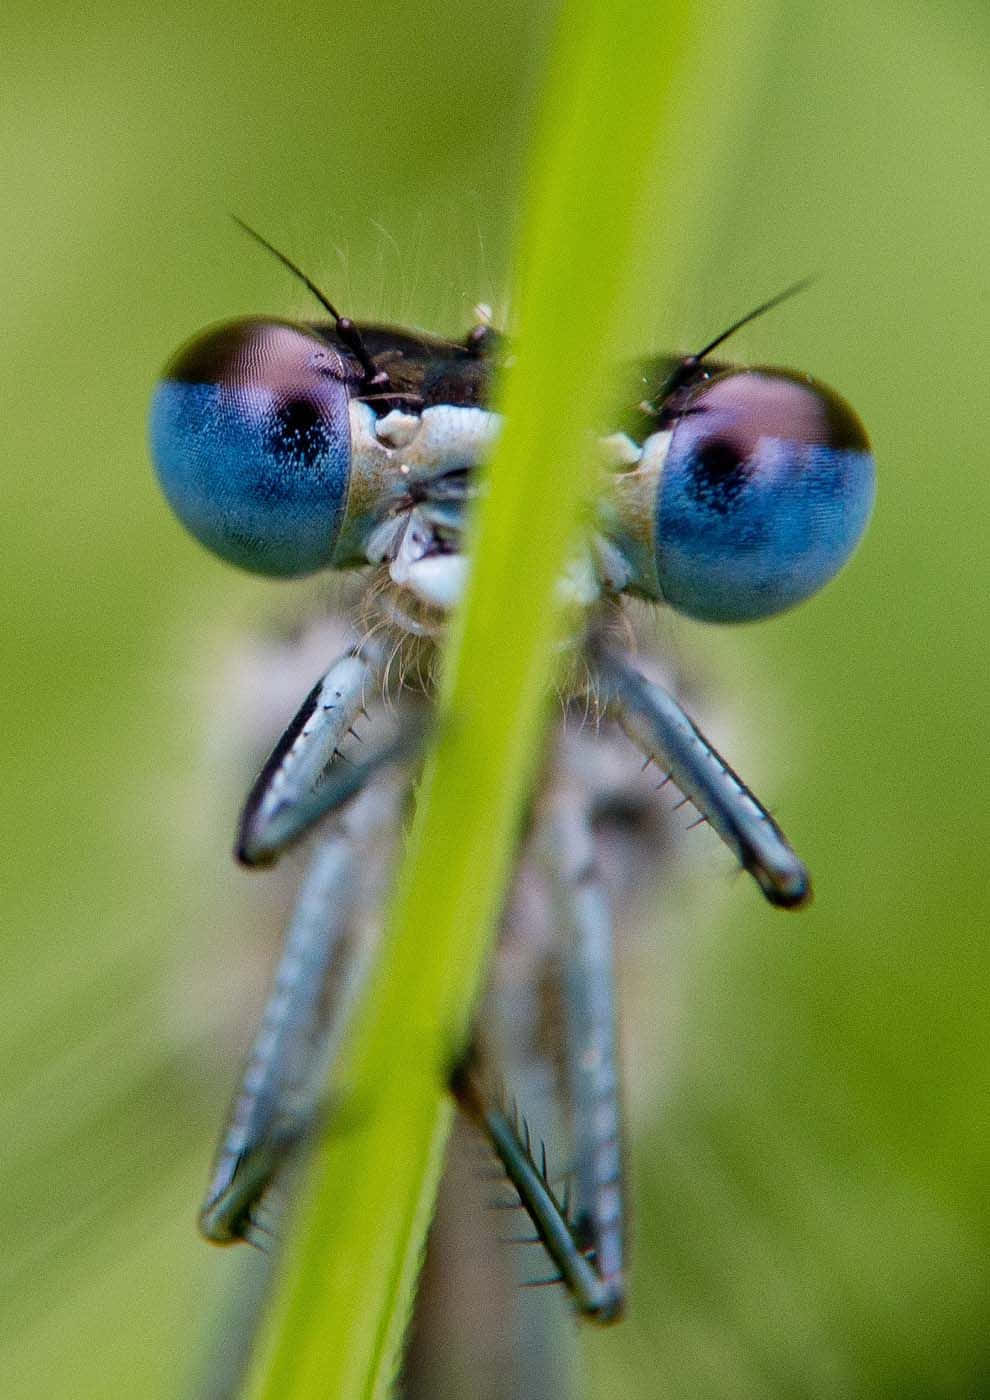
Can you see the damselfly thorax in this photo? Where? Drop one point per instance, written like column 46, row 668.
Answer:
column 728, row 494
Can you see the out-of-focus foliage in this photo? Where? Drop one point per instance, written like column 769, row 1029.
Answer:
column 810, row 1186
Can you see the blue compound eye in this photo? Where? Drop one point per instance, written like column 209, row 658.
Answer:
column 766, row 489
column 250, row 436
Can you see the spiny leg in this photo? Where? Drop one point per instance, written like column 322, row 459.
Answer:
column 288, row 1065
column 585, row 1246
column 590, row 1057
column 483, row 1247
column 510, row 1142
column 306, row 775
column 258, row 1134
column 663, row 732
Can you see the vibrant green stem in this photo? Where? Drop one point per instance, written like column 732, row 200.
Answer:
column 350, row 1273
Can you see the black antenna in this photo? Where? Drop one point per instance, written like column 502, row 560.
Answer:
column 785, row 295
column 374, row 377
column 685, row 368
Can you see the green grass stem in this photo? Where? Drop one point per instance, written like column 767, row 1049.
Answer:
column 350, row 1271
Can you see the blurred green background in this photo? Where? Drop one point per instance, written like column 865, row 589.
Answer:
column 810, row 1194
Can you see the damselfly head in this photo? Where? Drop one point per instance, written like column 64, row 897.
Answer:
column 288, row 447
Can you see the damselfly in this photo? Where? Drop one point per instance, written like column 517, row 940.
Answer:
column 729, row 494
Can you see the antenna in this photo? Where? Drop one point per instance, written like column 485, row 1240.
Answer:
column 785, row 295
column 686, row 367
column 374, row 377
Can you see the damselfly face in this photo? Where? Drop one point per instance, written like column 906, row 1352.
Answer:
column 730, row 494
column 289, row 448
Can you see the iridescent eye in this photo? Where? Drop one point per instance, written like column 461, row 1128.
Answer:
column 251, row 439
column 766, row 489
